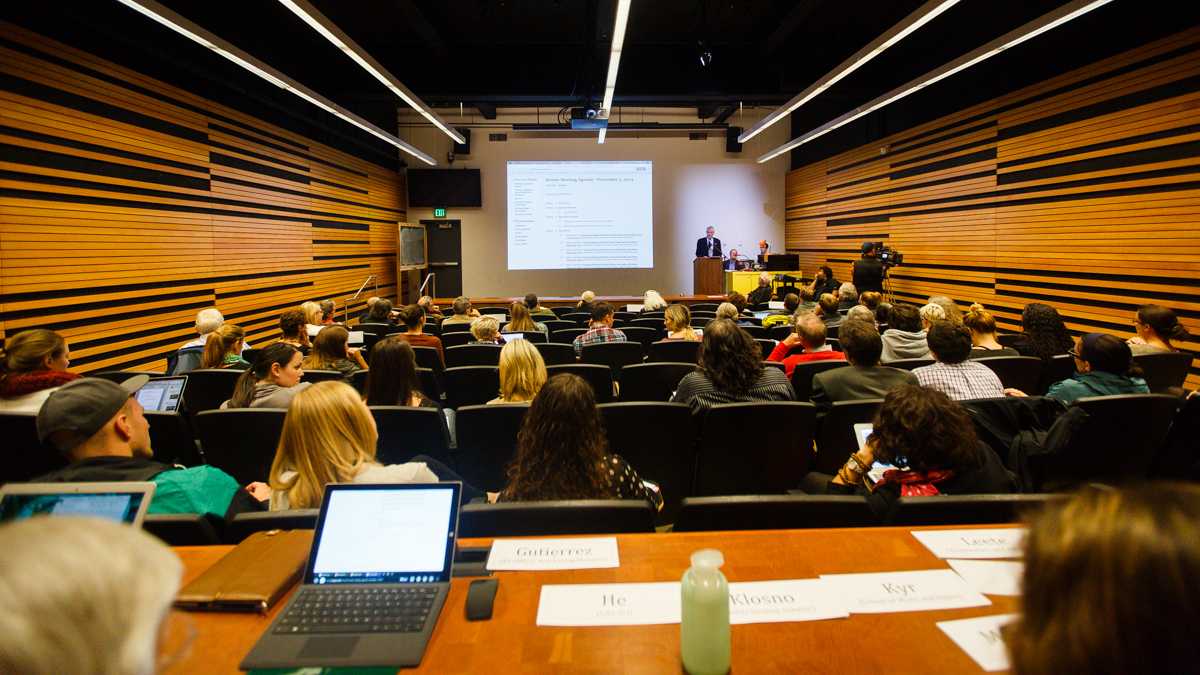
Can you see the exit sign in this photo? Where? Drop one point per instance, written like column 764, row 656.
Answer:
column 439, row 213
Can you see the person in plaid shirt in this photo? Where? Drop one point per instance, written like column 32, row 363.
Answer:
column 601, row 330
column 954, row 373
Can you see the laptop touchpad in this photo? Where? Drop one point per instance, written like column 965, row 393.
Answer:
column 328, row 647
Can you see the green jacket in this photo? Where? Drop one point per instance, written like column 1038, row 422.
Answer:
column 1096, row 383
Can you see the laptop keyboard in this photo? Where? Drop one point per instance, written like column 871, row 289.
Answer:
column 346, row 609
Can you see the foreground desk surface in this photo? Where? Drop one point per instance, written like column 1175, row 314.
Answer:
column 511, row 642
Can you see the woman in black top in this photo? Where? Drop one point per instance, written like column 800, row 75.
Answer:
column 393, row 379
column 824, row 282
column 1044, row 334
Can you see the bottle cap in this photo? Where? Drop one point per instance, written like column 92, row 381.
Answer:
column 708, row 557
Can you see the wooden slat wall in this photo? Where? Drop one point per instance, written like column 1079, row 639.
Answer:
column 1082, row 192
column 126, row 205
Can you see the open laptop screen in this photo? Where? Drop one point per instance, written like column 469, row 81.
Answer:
column 125, row 503
column 373, row 534
column 162, row 394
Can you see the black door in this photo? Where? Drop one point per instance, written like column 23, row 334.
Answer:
column 445, row 256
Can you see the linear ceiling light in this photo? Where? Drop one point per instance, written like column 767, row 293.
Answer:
column 201, row 36
column 328, row 29
column 923, row 15
column 614, row 59
column 1046, row 22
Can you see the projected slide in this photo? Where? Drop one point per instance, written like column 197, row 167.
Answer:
column 572, row 215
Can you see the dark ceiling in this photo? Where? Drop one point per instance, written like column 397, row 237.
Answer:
column 554, row 53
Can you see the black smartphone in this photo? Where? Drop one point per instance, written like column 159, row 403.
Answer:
column 480, row 597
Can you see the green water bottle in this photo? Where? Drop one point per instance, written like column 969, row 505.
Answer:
column 704, row 630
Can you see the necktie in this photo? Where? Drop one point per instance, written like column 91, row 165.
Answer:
column 710, row 247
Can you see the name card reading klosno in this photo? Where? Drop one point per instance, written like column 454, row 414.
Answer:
column 903, row 591
column 980, row 638
column 553, row 554
column 994, row 543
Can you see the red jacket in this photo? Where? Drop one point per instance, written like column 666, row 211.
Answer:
column 780, row 355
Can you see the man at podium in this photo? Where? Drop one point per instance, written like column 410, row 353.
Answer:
column 708, row 246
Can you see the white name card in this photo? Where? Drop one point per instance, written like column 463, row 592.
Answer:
column 609, row 604
column 980, row 639
column 553, row 554
column 634, row 308
column 993, row 577
column 994, row 543
column 903, row 591
column 783, row 600
column 774, row 304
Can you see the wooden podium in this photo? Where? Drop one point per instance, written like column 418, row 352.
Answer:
column 707, row 276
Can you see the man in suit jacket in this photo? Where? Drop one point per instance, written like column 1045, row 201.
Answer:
column 864, row 378
column 708, row 246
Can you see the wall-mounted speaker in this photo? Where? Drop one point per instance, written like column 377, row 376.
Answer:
column 463, row 148
column 731, row 141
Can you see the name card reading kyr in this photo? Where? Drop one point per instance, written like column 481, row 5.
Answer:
column 553, row 554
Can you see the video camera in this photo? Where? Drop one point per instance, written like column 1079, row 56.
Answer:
column 888, row 256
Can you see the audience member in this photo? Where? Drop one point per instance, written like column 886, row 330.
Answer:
column 807, row 304
column 586, row 300
column 601, row 329
column 954, row 374
column 486, row 331
column 562, row 451
column 904, row 338
column 761, row 293
column 824, row 282
column 430, row 308
column 949, row 308
column 678, row 321
column 292, row 330
column 87, row 595
column 413, row 319
column 982, row 325
column 860, row 313
column 381, row 312
column 464, row 312
column 1044, row 334
column 932, row 442
column 827, row 310
column 327, row 312
column 791, row 302
column 864, row 378
column 362, row 318
column 809, row 334
column 522, row 321
column 189, row 355
column 739, row 302
column 224, row 348
column 730, row 370
column 522, row 372
column 393, row 378
column 867, row 272
column 1109, row 584
column 728, row 310
column 847, row 296
column 329, row 436
column 313, row 317
column 535, row 309
column 271, row 381
column 331, row 351
column 1104, row 367
column 1156, row 327
column 883, row 313
column 33, row 364
column 653, row 302
column 870, row 300
column 930, row 313
column 100, row 428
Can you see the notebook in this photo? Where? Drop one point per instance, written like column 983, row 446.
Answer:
column 162, row 394
column 375, row 582
column 122, row 502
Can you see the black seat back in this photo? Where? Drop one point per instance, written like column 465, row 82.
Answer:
column 184, row 529
column 1164, row 370
column 316, row 375
column 909, row 364
column 245, row 524
column 836, row 439
column 241, row 442
column 615, row 355
column 756, row 331
column 487, row 442
column 24, row 457
column 779, row 333
column 448, row 328
column 774, row 462
column 120, row 376
column 644, row 336
column 471, row 385
column 677, row 351
column 653, row 323
column 704, row 307
column 358, row 380
column 473, row 355
column 556, row 353
column 405, row 432
column 773, row 512
column 428, row 357
column 1057, row 369
column 455, row 338
column 967, row 509
column 658, row 442
column 527, row 519
column 1016, row 372
column 171, row 438
column 600, row 377
column 566, row 335
column 802, row 376
column 208, row 388
column 652, row 381
column 583, row 319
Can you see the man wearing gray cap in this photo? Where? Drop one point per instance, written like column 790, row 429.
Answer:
column 99, row 426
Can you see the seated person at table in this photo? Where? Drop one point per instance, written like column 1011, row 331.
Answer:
column 536, row 310
column 954, row 373
column 864, row 378
column 224, row 348
column 87, row 595
column 730, row 371
column 847, row 296
column 601, row 329
column 380, row 313
column 782, row 317
column 678, row 321
column 809, row 336
column 413, row 319
column 1156, row 327
column 393, row 378
column 982, row 325
column 1110, row 582
column 932, row 441
column 562, row 451
column 101, row 429
column 586, row 300
column 292, row 332
column 904, row 338
column 731, row 263
column 522, row 321
column 522, row 372
column 486, row 331
column 1043, row 333
column 1103, row 367
column 824, row 282
column 652, row 301
column 463, row 312
column 33, row 363
column 329, row 436
column 272, row 381
column 949, row 308
column 430, row 308
column 331, row 351
column 827, row 310
column 762, row 293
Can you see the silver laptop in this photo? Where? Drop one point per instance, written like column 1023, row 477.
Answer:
column 375, row 581
column 122, row 502
column 162, row 394
column 356, row 338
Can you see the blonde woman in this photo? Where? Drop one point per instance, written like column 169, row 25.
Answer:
column 314, row 317
column 522, row 372
column 33, row 363
column 331, row 351
column 522, row 321
column 678, row 321
column 486, row 331
column 329, row 436
column 652, row 301
column 586, row 300
column 224, row 348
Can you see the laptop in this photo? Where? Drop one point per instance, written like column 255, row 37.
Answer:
column 121, row 502
column 500, row 318
column 356, row 338
column 862, row 432
column 375, row 581
column 162, row 394
column 513, row 336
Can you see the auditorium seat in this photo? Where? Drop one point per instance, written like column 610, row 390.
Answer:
column 487, row 442
column 909, row 364
column 1164, row 371
column 556, row 353
column 448, row 328
column 658, row 441
column 677, row 351
column 773, row 512
column 533, row 519
column 1008, row 339
column 802, row 376
column 780, row 333
column 560, row 311
column 430, row 384
column 556, row 324
column 831, row 332
column 704, row 315
column 754, row 322
column 1057, row 369
column 245, row 524
column 652, row 381
column 428, row 357
column 967, row 509
column 242, row 441
column 471, row 385
column 316, row 375
column 704, row 307
column 120, row 376
column 625, row 316
column 456, row 338
column 644, row 336
column 700, row 321
column 766, row 346
column 24, row 457
column 566, row 335
column 532, row 336
column 582, row 319
column 615, row 355
column 405, row 432
column 757, row 332
column 1015, row 372
column 358, row 380
column 432, row 328
column 600, row 377
column 171, row 438
column 835, row 436
column 644, row 322
column 184, row 529
column 834, row 344
column 208, row 388
column 772, row 458
column 473, row 355
column 654, row 314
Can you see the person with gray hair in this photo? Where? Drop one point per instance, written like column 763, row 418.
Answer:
column 463, row 311
column 652, row 301
column 86, row 595
column 860, row 313
column 930, row 313
column 188, row 356
column 763, row 292
column 953, row 313
column 847, row 296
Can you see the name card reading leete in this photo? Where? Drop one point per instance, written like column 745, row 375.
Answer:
column 553, row 554
column 991, row 543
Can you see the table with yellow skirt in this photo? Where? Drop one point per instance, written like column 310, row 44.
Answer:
column 744, row 282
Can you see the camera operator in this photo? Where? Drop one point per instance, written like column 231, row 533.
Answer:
column 867, row 273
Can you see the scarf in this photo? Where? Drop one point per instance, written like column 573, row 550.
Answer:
column 21, row 384
column 915, row 483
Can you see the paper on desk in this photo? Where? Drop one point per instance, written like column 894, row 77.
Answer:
column 553, row 554
column 903, row 591
column 994, row 577
column 980, row 639
column 775, row 304
column 783, row 600
column 991, row 543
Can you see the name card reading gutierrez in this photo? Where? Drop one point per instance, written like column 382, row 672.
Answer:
column 553, row 554
column 993, row 543
column 903, row 591
column 980, row 638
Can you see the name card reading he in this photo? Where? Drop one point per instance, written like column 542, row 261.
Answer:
column 991, row 543
column 553, row 554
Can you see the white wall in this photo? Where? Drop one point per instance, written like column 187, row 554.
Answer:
column 696, row 184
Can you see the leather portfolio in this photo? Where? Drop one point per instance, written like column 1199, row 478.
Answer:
column 251, row 577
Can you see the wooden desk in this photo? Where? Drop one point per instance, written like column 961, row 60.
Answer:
column 511, row 642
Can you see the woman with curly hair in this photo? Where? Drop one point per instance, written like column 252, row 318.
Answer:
column 731, row 370
column 562, row 450
column 1044, row 334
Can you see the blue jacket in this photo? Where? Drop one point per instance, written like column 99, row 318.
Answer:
column 1096, row 383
